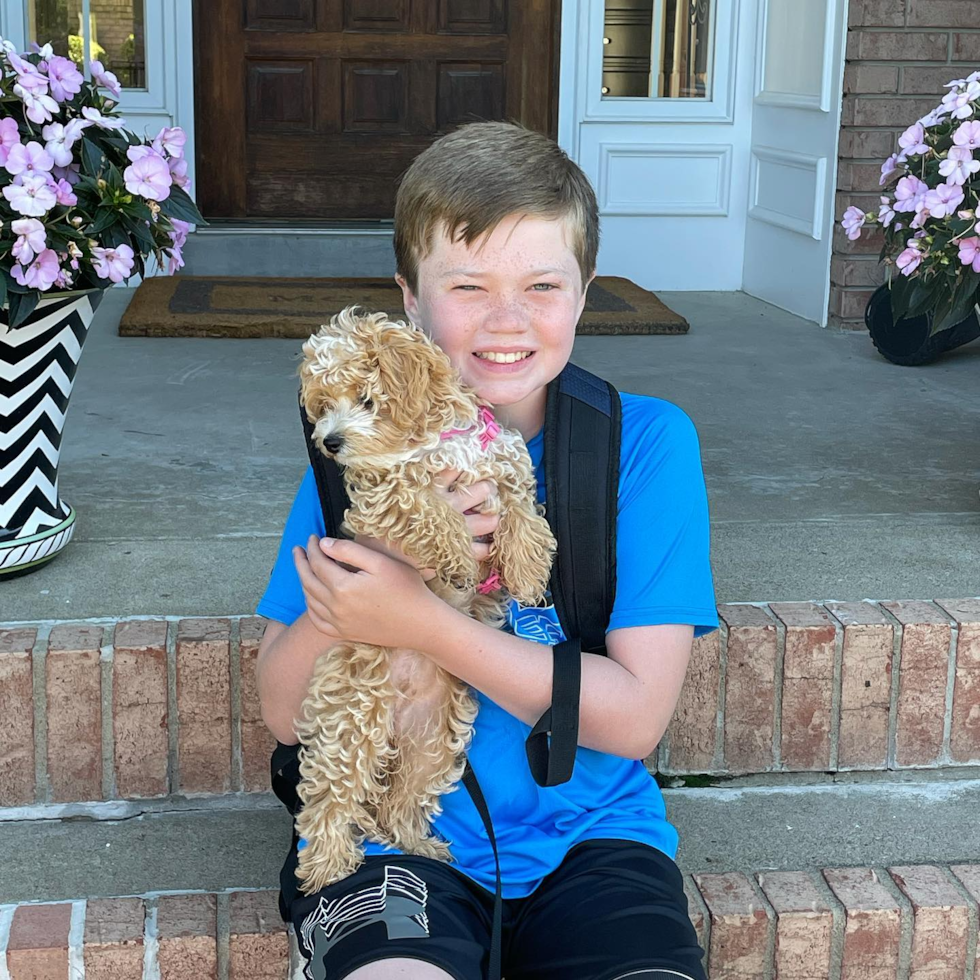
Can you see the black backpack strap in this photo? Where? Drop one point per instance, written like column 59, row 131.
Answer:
column 581, row 458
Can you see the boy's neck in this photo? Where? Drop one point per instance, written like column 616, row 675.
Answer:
column 527, row 416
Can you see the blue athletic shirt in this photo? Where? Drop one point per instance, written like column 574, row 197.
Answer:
column 663, row 575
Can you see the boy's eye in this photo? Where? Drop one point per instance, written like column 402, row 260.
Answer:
column 466, row 286
column 548, row 286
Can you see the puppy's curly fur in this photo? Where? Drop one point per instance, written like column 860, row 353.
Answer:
column 383, row 731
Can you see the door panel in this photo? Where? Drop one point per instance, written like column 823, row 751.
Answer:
column 314, row 108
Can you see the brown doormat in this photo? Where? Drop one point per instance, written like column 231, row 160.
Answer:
column 205, row 306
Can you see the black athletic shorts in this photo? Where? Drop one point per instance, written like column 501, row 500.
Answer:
column 612, row 909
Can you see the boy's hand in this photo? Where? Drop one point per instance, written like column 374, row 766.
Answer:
column 382, row 601
column 467, row 500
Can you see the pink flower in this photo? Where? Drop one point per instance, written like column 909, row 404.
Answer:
column 33, row 196
column 958, row 165
column 853, row 221
column 105, row 78
column 179, row 235
column 172, row 139
column 886, row 213
column 41, row 273
column 958, row 101
column 909, row 193
column 66, row 195
column 175, row 259
column 909, row 260
column 889, row 168
column 103, row 122
column 968, row 135
column 913, row 140
column 970, row 252
column 32, row 239
column 149, row 175
column 60, row 139
column 943, row 200
column 38, row 105
column 9, row 138
column 32, row 158
column 65, row 79
column 178, row 171
column 113, row 263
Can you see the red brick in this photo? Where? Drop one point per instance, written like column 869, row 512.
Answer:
column 922, row 681
column 862, row 79
column 940, row 922
column 871, row 111
column 17, row 716
column 964, row 738
column 849, row 303
column 896, row 46
column 966, row 48
column 856, row 271
column 114, row 939
column 258, row 946
column 866, row 683
column 834, row 322
column 139, row 708
column 928, row 81
column 870, row 242
column 38, row 944
column 204, row 705
column 257, row 741
column 808, row 685
column 969, row 877
column 876, row 13
column 866, row 144
column 860, row 177
column 695, row 913
column 186, row 926
column 689, row 742
column 739, row 944
column 804, row 924
column 943, row 13
column 73, row 678
column 872, row 924
column 749, row 688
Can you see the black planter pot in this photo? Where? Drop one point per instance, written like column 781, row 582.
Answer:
column 907, row 342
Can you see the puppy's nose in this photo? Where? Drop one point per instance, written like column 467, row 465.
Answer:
column 333, row 444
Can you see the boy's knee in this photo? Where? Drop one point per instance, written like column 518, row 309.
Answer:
column 398, row 968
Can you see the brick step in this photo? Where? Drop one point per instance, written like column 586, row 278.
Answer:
column 150, row 708
column 914, row 921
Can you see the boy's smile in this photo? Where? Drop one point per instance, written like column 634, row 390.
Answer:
column 504, row 310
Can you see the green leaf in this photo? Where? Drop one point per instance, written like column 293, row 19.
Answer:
column 106, row 217
column 13, row 286
column 958, row 307
column 3, row 290
column 22, row 306
column 140, row 232
column 92, row 157
column 116, row 236
column 923, row 297
column 901, row 294
column 179, row 205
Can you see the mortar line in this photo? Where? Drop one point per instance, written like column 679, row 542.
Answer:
column 973, row 921
column 906, row 921
column 837, row 689
column 838, row 928
column 945, row 754
column 777, row 708
column 235, row 693
column 718, row 763
column 173, row 759
column 895, row 692
column 222, row 930
column 151, row 940
column 76, row 941
column 39, row 666
column 107, row 664
column 6, row 918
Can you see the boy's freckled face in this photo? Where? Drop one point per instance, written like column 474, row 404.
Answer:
column 520, row 289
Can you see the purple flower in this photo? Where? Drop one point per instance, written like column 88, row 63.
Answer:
column 913, row 140
column 70, row 173
column 909, row 193
column 889, row 168
column 943, row 200
column 105, row 78
column 38, row 105
column 32, row 239
column 175, row 259
column 149, row 175
column 178, row 171
column 103, row 122
column 66, row 195
column 65, row 79
column 968, row 135
column 41, row 273
column 958, row 101
column 179, row 235
column 958, row 165
column 32, row 158
column 970, row 252
column 853, row 222
column 886, row 213
column 909, row 260
column 113, row 263
column 33, row 196
column 9, row 138
column 172, row 139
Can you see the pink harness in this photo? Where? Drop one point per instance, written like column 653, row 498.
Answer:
column 491, row 429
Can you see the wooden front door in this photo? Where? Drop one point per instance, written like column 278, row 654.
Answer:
column 314, row 108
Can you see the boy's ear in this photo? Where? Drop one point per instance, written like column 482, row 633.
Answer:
column 409, row 301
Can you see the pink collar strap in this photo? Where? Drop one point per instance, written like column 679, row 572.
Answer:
column 491, row 428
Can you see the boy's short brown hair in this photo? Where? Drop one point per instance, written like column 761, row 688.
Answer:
column 472, row 178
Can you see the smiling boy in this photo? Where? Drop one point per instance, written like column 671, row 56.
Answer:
column 496, row 236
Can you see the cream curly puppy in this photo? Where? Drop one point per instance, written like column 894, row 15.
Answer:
column 384, row 731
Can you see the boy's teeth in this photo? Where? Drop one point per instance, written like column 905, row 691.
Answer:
column 504, row 358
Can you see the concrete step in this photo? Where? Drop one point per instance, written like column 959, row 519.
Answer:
column 853, row 876
column 345, row 249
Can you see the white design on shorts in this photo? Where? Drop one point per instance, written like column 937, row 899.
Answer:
column 399, row 902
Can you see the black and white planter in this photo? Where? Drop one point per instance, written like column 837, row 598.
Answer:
column 38, row 361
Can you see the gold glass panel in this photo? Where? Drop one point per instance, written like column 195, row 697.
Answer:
column 657, row 49
column 115, row 35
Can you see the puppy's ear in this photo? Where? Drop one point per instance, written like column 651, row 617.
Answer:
column 425, row 387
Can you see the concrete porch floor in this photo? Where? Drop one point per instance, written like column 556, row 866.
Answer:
column 831, row 473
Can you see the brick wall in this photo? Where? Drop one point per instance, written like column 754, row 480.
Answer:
column 900, row 54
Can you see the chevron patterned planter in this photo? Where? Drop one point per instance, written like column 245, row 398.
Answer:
column 38, row 362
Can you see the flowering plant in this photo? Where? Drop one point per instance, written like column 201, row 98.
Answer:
column 82, row 201
column 930, row 217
